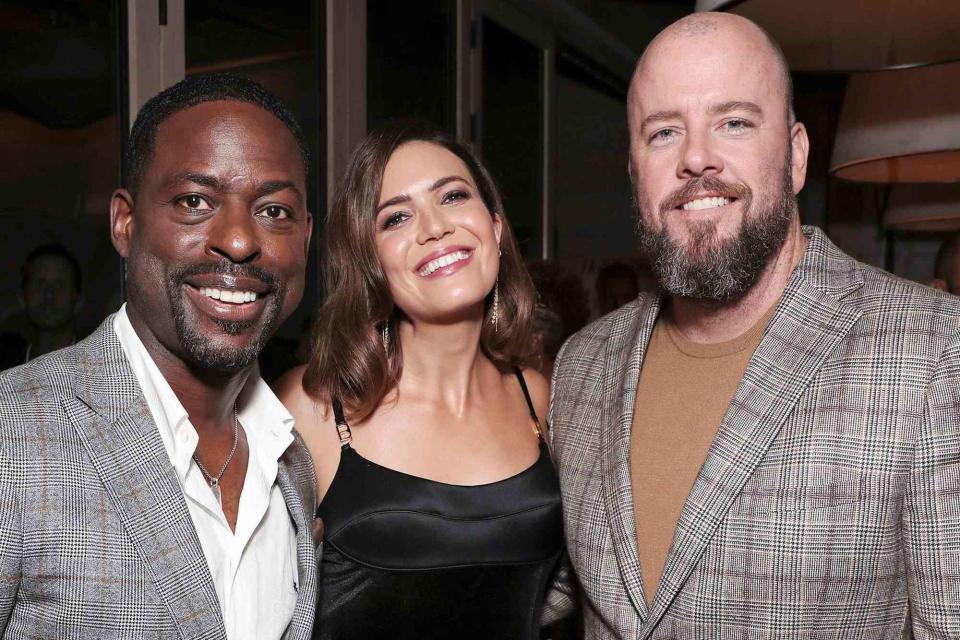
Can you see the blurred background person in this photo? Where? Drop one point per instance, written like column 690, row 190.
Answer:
column 616, row 285
column 51, row 285
column 946, row 270
column 563, row 307
column 548, row 337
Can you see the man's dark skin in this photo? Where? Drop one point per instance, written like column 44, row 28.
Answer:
column 225, row 190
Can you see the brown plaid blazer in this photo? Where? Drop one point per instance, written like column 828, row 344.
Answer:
column 828, row 506
column 96, row 540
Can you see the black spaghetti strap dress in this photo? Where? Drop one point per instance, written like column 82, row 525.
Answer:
column 410, row 558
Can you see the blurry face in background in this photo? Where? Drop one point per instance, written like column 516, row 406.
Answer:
column 617, row 292
column 947, row 266
column 715, row 165
column 953, row 281
column 50, row 292
column 216, row 243
column 436, row 240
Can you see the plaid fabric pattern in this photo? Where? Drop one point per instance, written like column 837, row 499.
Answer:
column 96, row 540
column 828, row 506
column 559, row 600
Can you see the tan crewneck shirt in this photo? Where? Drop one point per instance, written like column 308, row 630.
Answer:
column 682, row 395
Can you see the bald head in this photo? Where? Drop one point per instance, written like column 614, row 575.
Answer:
column 701, row 31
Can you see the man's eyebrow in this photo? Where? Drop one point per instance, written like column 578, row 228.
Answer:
column 659, row 116
column 212, row 182
column 714, row 110
column 202, row 179
column 735, row 105
column 400, row 199
column 273, row 186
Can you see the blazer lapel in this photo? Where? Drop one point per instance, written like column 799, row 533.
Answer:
column 113, row 420
column 301, row 624
column 809, row 323
column 624, row 355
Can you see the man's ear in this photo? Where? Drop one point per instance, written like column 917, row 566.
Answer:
column 306, row 243
column 121, row 221
column 799, row 149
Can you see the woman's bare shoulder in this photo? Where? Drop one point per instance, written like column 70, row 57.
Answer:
column 313, row 419
column 289, row 386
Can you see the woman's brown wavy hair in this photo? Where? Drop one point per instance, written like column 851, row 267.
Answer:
column 348, row 360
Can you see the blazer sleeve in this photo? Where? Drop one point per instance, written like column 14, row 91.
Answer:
column 11, row 540
column 931, row 509
column 561, row 594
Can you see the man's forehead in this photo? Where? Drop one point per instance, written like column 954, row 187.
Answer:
column 684, row 78
column 223, row 117
column 223, row 133
column 48, row 263
column 723, row 56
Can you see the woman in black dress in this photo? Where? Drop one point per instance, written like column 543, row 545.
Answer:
column 439, row 499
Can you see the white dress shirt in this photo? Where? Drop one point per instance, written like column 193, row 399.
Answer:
column 254, row 568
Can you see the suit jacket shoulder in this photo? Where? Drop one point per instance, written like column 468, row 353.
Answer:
column 899, row 320
column 32, row 391
column 590, row 342
column 905, row 301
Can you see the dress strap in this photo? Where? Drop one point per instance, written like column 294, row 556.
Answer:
column 526, row 394
column 343, row 429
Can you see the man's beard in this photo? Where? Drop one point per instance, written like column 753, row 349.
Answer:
column 708, row 268
column 203, row 352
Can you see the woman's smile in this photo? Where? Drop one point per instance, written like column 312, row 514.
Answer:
column 444, row 262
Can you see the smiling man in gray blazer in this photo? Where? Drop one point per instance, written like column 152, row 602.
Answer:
column 770, row 446
column 151, row 485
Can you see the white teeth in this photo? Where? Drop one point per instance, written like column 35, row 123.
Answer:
column 705, row 203
column 443, row 261
column 227, row 295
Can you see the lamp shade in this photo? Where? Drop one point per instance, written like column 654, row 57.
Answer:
column 855, row 35
column 923, row 207
column 900, row 126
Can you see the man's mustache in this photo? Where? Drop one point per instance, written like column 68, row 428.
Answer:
column 704, row 184
column 269, row 279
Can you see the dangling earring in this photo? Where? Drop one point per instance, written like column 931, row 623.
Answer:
column 385, row 336
column 495, row 315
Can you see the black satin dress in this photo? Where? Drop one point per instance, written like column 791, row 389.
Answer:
column 409, row 558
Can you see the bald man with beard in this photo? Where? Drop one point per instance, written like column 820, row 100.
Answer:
column 769, row 446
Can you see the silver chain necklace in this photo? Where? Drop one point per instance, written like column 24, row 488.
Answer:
column 214, row 480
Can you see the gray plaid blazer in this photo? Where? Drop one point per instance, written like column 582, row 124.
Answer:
column 828, row 506
column 95, row 537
